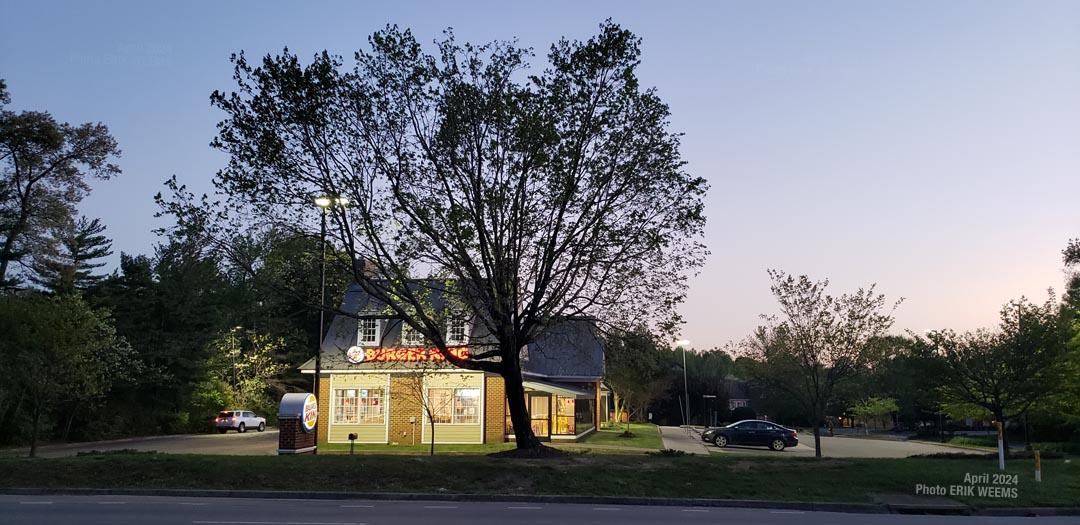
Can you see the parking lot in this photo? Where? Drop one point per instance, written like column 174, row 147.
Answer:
column 846, row 447
column 250, row 443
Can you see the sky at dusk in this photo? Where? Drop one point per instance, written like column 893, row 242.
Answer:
column 932, row 148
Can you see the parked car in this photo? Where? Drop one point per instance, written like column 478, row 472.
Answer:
column 238, row 420
column 752, row 432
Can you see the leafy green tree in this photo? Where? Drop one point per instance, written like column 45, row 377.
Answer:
column 539, row 197
column 44, row 174
column 247, row 364
column 635, row 371
column 818, row 343
column 874, row 407
column 65, row 353
column 1008, row 370
column 73, row 251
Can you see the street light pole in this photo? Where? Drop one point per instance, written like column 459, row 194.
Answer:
column 322, row 297
column 686, row 384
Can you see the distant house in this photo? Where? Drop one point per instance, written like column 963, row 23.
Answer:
column 370, row 362
column 738, row 394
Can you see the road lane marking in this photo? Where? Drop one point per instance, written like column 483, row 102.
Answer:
column 278, row 523
column 524, row 508
column 440, row 507
column 36, row 502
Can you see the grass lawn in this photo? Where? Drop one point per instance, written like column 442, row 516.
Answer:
column 645, row 436
column 798, row 479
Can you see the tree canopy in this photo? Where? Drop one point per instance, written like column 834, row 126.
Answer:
column 818, row 342
column 44, row 170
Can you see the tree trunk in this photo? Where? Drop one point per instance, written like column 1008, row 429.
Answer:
column 999, row 415
column 817, row 432
column 431, row 423
column 34, row 429
column 519, row 413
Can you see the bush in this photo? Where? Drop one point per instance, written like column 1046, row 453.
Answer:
column 1069, row 447
column 974, row 441
column 668, row 453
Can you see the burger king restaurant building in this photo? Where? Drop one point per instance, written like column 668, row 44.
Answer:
column 379, row 381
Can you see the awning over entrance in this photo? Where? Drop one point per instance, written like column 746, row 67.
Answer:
column 562, row 390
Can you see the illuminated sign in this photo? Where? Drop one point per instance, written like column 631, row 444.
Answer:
column 355, row 354
column 311, row 413
column 409, row 355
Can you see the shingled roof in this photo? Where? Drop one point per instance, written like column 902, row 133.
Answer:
column 567, row 349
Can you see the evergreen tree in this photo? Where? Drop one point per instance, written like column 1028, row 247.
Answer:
column 71, row 254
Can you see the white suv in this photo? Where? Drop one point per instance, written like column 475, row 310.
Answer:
column 239, row 420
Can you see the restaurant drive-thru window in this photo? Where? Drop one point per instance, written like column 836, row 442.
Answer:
column 379, row 378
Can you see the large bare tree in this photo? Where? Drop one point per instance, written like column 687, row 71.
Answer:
column 530, row 197
column 818, row 341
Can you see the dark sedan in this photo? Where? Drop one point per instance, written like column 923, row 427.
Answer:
column 753, row 433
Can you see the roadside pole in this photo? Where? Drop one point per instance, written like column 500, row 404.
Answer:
column 1001, row 445
column 1038, row 467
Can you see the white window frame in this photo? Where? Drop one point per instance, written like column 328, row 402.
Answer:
column 453, row 405
column 465, row 326
column 416, row 339
column 360, row 332
column 341, row 414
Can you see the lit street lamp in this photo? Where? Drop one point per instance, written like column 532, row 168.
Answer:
column 324, row 204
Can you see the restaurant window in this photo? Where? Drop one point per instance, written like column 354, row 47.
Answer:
column 367, row 333
column 353, row 406
column 455, row 406
column 564, row 416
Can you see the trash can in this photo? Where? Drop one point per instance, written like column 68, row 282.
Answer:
column 297, row 417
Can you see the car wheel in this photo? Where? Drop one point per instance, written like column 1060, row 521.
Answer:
column 720, row 440
column 262, row 426
column 777, row 445
column 222, row 430
column 241, row 429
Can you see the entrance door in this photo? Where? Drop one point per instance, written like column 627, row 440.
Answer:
column 540, row 411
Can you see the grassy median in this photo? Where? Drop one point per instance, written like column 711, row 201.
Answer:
column 790, row 479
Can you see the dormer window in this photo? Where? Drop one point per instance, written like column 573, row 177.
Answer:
column 410, row 337
column 457, row 332
column 368, row 333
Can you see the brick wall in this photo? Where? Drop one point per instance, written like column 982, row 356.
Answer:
column 291, row 435
column 403, row 405
column 324, row 409
column 494, row 410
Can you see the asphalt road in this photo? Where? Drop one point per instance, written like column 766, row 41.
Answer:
column 131, row 510
column 250, row 443
column 847, row 447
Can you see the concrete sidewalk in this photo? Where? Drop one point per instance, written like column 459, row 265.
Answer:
column 686, row 440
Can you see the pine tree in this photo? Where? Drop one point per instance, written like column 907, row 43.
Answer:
column 68, row 260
